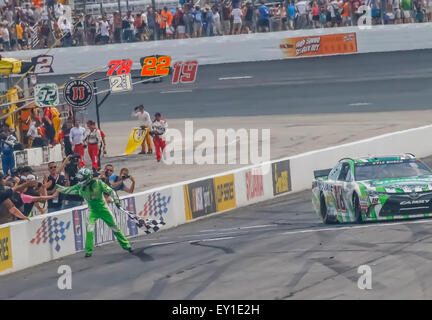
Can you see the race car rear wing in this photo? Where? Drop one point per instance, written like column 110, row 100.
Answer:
column 321, row 173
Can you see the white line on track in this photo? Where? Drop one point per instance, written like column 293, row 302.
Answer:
column 240, row 228
column 377, row 225
column 360, row 104
column 176, row 91
column 211, row 239
column 236, row 78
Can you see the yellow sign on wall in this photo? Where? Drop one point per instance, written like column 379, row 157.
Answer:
column 5, row 249
column 225, row 192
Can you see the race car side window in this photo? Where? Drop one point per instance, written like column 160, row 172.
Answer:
column 334, row 174
column 344, row 172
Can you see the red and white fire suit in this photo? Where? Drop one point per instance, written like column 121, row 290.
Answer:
column 93, row 138
column 158, row 129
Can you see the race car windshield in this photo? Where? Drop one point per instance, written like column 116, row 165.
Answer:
column 389, row 170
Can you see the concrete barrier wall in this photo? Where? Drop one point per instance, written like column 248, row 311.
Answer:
column 51, row 236
column 242, row 48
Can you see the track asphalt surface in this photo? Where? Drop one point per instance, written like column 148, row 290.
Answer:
column 364, row 82
column 277, row 249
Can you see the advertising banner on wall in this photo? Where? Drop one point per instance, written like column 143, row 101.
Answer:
column 281, row 177
column 319, row 45
column 5, row 249
column 199, row 198
column 225, row 192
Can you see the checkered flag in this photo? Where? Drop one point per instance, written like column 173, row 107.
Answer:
column 148, row 225
column 52, row 230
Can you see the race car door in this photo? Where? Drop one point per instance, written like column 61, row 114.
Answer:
column 341, row 187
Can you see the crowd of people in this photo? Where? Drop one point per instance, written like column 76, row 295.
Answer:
column 32, row 195
column 29, row 194
column 31, row 26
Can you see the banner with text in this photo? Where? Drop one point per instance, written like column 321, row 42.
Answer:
column 5, row 249
column 319, row 45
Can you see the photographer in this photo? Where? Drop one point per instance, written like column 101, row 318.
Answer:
column 56, row 177
column 107, row 173
column 72, row 166
column 117, row 182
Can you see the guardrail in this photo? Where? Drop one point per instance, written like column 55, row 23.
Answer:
column 27, row 243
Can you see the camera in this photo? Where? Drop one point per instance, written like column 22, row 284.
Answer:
column 125, row 177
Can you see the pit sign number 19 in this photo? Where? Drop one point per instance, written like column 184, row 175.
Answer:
column 184, row 72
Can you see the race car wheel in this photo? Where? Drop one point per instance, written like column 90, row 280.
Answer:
column 357, row 210
column 324, row 213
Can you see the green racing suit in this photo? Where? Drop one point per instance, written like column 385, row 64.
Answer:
column 93, row 192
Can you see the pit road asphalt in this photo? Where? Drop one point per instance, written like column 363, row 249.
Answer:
column 346, row 83
column 277, row 249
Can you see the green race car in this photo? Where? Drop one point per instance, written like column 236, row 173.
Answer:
column 373, row 188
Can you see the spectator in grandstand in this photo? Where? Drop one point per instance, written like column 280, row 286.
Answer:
column 13, row 37
column 209, row 18
column 8, row 211
column 127, row 26
column 151, row 23
column 375, row 6
column 291, row 14
column 315, row 12
column 226, row 18
column 66, row 29
column 34, row 135
column 55, row 176
column 355, row 12
column 7, row 144
column 407, row 7
column 248, row 18
column 104, row 30
column 20, row 39
column 117, row 182
column 263, row 13
column 106, row 173
column 217, row 25
column 44, row 34
column 275, row 18
column 47, row 120
column 237, row 20
column 167, row 18
column 197, row 18
column 90, row 27
column 429, row 11
column 283, row 15
column 179, row 24
column 5, row 36
column 302, row 14
column 189, row 23
column 72, row 166
column 78, row 32
column 117, row 25
column 346, row 13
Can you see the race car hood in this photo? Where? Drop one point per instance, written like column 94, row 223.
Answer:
column 400, row 185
